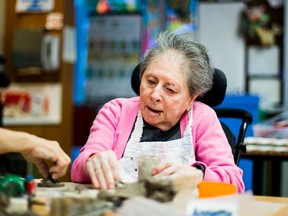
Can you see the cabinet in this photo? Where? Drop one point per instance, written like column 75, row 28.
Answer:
column 61, row 131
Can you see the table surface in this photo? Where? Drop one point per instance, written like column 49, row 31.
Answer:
column 280, row 212
column 255, row 153
column 257, row 146
column 42, row 211
column 266, row 153
column 279, row 204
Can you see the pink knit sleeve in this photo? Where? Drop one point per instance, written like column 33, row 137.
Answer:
column 110, row 131
column 213, row 150
column 101, row 138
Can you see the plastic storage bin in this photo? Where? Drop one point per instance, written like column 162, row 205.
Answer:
column 249, row 103
column 275, row 127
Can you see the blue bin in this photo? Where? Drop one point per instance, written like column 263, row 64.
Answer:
column 249, row 103
column 75, row 152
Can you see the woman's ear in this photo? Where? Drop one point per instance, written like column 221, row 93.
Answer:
column 193, row 98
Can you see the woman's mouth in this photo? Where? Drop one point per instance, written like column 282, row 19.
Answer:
column 154, row 111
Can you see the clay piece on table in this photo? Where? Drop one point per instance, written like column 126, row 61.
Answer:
column 50, row 182
column 146, row 163
column 161, row 190
column 69, row 206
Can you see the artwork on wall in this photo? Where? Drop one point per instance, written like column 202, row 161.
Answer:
column 261, row 26
column 182, row 16
column 258, row 23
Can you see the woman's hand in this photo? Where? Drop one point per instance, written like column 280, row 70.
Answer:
column 103, row 169
column 169, row 168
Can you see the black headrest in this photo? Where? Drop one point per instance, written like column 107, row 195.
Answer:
column 2, row 60
column 135, row 79
column 213, row 97
column 4, row 81
column 216, row 94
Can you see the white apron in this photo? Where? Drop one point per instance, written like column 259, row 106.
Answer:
column 180, row 149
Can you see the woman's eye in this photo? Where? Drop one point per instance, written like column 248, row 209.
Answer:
column 170, row 90
column 152, row 82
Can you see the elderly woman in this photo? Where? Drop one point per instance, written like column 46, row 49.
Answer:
column 165, row 121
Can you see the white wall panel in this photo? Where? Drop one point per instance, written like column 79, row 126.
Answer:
column 218, row 24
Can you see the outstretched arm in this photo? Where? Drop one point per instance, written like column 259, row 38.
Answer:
column 36, row 150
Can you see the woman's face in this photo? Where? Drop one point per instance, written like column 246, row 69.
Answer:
column 164, row 92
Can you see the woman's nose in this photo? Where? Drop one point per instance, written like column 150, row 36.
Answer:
column 156, row 93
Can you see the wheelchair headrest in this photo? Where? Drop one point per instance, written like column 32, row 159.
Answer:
column 4, row 81
column 216, row 94
column 213, row 97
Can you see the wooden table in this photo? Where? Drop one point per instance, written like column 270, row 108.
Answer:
column 262, row 201
column 42, row 211
column 281, row 212
column 271, row 162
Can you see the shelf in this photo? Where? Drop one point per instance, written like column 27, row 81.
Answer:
column 43, row 120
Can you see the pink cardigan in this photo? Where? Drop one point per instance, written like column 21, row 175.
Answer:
column 114, row 123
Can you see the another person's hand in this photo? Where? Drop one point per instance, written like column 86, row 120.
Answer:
column 169, row 168
column 103, row 169
column 42, row 150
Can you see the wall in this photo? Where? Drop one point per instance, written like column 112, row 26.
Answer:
column 2, row 21
column 218, row 23
column 285, row 164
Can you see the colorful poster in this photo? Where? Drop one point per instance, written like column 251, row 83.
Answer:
column 182, row 16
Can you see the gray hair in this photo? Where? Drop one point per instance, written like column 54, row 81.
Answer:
column 197, row 64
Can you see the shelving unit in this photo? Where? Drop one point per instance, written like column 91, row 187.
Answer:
column 61, row 131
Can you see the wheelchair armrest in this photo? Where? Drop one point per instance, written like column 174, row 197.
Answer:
column 234, row 113
column 246, row 117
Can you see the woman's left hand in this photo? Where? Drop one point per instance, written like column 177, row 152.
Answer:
column 169, row 168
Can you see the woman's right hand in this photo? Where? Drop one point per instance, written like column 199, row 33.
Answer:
column 103, row 169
